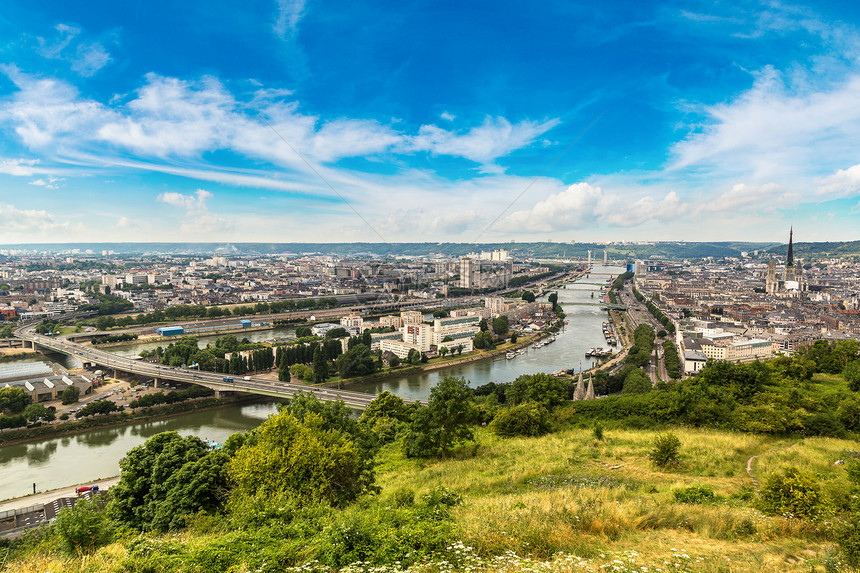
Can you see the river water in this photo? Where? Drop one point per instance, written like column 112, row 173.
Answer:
column 58, row 462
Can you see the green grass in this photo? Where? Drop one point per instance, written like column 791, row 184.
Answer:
column 569, row 502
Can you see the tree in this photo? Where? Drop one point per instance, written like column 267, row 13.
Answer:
column 303, row 332
column 70, row 395
column 394, row 361
column 513, row 337
column 528, row 296
column 356, row 362
column 13, row 399
column 83, row 527
column 443, row 351
column 339, row 332
column 483, row 325
column 35, row 411
column 100, row 407
column 320, row 366
column 852, row 375
column 553, row 298
column 285, row 455
column 166, row 479
column 444, row 422
column 528, row 419
column 544, row 389
column 500, row 325
column 636, row 382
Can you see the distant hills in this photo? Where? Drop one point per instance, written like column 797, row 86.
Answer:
column 660, row 249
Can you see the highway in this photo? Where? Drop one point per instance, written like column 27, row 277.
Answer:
column 216, row 381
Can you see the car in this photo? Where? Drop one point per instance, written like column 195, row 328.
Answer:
column 227, row 379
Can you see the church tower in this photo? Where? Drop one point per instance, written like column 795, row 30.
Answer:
column 790, row 271
column 770, row 284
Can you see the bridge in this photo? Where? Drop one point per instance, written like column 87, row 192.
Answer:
column 602, row 305
column 221, row 383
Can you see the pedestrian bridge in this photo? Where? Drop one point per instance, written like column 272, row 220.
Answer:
column 221, row 383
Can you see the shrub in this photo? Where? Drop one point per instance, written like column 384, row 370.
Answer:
column 83, row 527
column 695, row 494
column 792, row 494
column 666, row 451
column 529, row 419
column 598, row 432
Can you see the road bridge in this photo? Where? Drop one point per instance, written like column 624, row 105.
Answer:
column 221, row 383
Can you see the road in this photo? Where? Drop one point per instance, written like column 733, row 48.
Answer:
column 216, row 381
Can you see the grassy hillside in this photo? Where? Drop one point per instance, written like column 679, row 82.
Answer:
column 563, row 502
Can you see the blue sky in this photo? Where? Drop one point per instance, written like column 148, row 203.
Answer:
column 298, row 120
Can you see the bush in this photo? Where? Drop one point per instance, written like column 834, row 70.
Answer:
column 695, row 494
column 598, row 432
column 792, row 494
column 666, row 451
column 83, row 527
column 529, row 419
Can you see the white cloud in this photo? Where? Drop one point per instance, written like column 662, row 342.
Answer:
column 18, row 167
column 457, row 222
column 86, row 59
column 90, row 58
column 843, row 183
column 290, row 12
column 199, row 221
column 49, row 183
column 583, row 204
column 43, row 111
column 188, row 202
column 447, row 116
column 769, row 129
column 28, row 221
column 484, row 144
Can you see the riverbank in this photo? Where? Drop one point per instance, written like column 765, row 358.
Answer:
column 477, row 356
column 151, row 414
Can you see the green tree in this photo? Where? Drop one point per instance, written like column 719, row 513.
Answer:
column 35, row 411
column 444, row 422
column 544, row 389
column 83, row 527
column 337, row 333
column 528, row 296
column 13, row 399
column 394, row 361
column 320, row 365
column 303, row 332
column 852, row 375
column 553, row 298
column 636, row 382
column 165, row 479
column 528, row 419
column 500, row 325
column 301, row 458
column 357, row 361
column 70, row 395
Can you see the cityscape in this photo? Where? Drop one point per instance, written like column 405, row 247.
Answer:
column 437, row 287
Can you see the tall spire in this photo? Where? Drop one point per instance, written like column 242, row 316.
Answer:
column 790, row 260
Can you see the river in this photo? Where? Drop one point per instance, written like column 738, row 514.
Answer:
column 59, row 462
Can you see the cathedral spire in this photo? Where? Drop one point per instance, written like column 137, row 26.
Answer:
column 790, row 260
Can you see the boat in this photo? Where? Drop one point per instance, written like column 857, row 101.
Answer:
column 510, row 355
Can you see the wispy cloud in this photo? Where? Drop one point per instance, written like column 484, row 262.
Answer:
column 86, row 57
column 290, row 12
